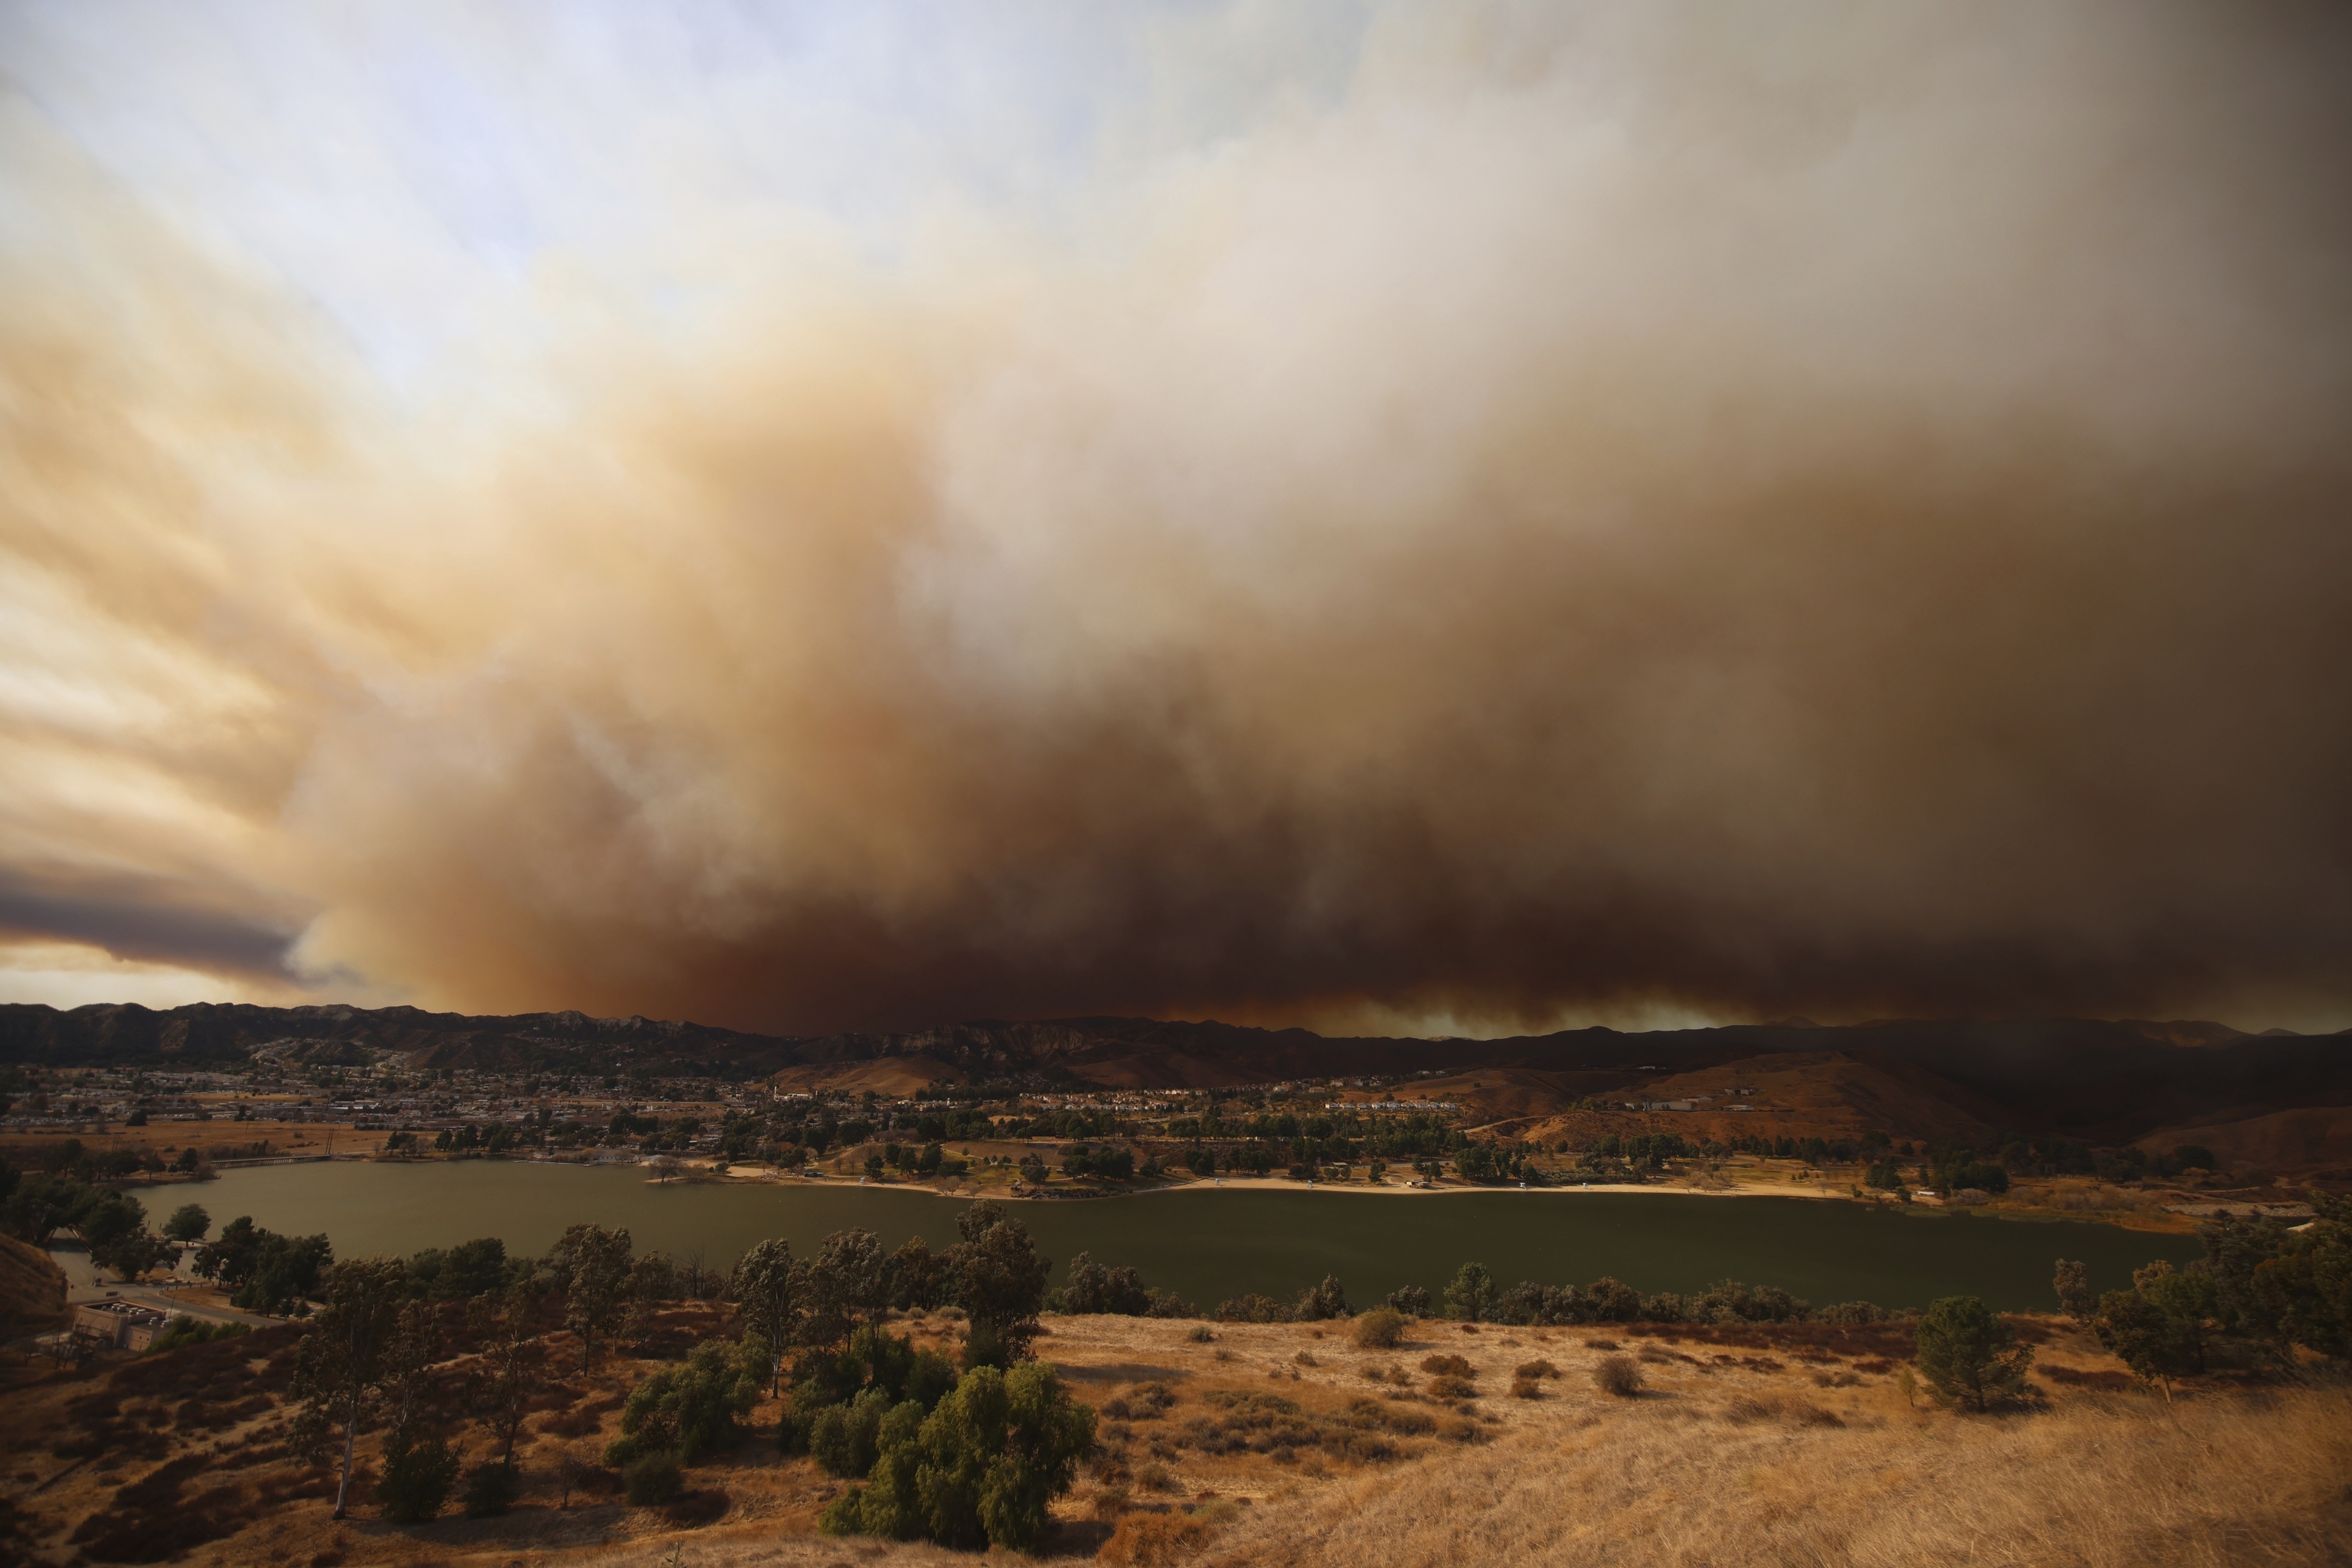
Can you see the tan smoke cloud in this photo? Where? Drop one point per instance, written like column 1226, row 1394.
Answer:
column 1610, row 516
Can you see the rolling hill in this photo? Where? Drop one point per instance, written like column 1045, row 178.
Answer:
column 2110, row 1083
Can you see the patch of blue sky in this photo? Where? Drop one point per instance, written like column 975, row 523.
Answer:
column 407, row 166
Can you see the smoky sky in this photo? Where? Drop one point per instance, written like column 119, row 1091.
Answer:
column 861, row 517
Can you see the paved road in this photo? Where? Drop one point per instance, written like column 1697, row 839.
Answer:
column 84, row 1283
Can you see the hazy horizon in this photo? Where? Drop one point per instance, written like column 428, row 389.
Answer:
column 1449, row 519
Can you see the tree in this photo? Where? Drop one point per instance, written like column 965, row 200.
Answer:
column 188, row 1224
column 40, row 1206
column 340, row 1367
column 418, row 1468
column 285, row 1269
column 2279, row 1288
column 980, row 1470
column 652, row 1280
column 1969, row 1354
column 2158, row 1327
column 688, row 1411
column 918, row 1280
column 2307, row 1289
column 418, row 1471
column 848, row 1285
column 469, row 1269
column 771, row 1291
column 138, row 1253
column 509, row 1375
column 999, row 1282
column 1472, row 1296
column 229, row 1257
column 2073, row 1283
column 592, row 1269
column 114, row 1227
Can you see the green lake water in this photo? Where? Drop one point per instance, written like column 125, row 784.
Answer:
column 1208, row 1243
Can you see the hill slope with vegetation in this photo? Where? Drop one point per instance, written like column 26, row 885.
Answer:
column 2107, row 1083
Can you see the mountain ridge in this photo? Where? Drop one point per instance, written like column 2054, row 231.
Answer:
column 2109, row 1082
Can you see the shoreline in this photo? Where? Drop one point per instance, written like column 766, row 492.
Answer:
column 2178, row 1225
column 1367, row 1189
column 1246, row 1183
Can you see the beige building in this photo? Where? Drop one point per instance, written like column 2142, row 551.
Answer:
column 119, row 1325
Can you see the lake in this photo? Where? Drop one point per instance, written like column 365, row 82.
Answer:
column 1207, row 1244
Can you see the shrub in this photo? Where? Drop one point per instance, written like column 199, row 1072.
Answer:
column 1526, row 1388
column 1093, row 1289
column 650, row 1480
column 186, row 1330
column 693, row 1409
column 491, row 1489
column 1611, row 1300
column 845, row 1438
column 1982, row 1178
column 1536, row 1369
column 1150, row 1399
column 1252, row 1309
column 877, row 1358
column 980, row 1470
column 1852, row 1315
column 1730, row 1301
column 1326, row 1300
column 1203, row 1334
column 1617, row 1374
column 1447, row 1367
column 843, row 1515
column 417, row 1479
column 1382, row 1329
column 1969, row 1355
column 1162, row 1540
column 1549, row 1306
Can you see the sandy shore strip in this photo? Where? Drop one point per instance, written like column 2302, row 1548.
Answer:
column 1284, row 1185
column 1390, row 1189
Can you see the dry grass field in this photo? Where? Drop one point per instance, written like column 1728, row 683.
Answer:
column 1288, row 1445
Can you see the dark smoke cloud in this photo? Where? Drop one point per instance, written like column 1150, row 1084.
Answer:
column 143, row 919
column 1614, row 517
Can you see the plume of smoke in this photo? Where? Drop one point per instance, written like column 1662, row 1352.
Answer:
column 1608, row 514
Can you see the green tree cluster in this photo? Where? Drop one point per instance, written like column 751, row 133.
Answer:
column 691, row 1411
column 2262, row 1290
column 1091, row 1288
column 113, row 1224
column 268, row 1272
column 981, row 1469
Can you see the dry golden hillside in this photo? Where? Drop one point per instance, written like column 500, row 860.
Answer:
column 32, row 1289
column 887, row 1076
column 1831, row 1095
column 2314, row 1138
column 1285, row 1444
